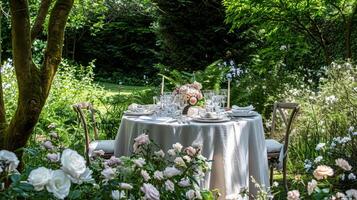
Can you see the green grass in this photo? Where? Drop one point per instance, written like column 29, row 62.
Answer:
column 114, row 89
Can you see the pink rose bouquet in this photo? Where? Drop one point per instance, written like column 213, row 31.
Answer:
column 190, row 92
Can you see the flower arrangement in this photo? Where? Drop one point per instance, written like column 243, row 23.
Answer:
column 150, row 173
column 190, row 92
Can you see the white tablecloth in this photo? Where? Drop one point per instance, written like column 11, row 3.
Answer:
column 237, row 148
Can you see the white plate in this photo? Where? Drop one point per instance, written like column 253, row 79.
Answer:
column 210, row 120
column 132, row 113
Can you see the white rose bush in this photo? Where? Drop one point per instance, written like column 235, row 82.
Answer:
column 147, row 174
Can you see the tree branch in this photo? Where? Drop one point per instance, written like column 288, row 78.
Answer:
column 21, row 42
column 2, row 104
column 40, row 18
column 55, row 39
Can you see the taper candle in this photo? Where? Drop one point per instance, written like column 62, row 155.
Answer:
column 162, row 85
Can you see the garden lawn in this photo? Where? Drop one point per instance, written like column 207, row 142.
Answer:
column 114, row 89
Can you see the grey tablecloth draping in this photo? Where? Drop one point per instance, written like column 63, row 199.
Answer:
column 237, row 148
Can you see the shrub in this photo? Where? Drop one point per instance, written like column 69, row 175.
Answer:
column 326, row 112
column 147, row 173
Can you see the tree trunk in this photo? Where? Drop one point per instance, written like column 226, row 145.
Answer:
column 34, row 83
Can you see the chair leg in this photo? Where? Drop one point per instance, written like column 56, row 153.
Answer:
column 271, row 175
column 285, row 181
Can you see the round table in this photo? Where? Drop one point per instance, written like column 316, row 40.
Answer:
column 237, row 148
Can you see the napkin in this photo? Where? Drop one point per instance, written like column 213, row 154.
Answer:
column 243, row 113
column 250, row 107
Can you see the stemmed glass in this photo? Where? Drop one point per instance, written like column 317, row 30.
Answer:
column 208, row 94
column 223, row 93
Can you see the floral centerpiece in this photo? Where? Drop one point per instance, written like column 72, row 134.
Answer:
column 190, row 92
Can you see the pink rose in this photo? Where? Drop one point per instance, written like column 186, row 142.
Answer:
column 53, row 157
column 294, row 195
column 140, row 140
column 191, row 151
column 48, row 145
column 323, row 171
column 193, row 101
column 112, row 161
column 199, row 96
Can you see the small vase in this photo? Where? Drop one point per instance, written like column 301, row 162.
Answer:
column 185, row 109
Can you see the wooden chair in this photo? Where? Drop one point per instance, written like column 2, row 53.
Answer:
column 106, row 145
column 274, row 147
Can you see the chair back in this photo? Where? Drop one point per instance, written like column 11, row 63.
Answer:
column 80, row 109
column 287, row 118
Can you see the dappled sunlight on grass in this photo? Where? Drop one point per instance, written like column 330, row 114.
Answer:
column 114, row 89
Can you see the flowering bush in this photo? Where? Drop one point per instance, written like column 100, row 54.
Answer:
column 332, row 174
column 190, row 92
column 147, row 174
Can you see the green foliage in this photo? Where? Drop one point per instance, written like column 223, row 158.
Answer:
column 326, row 113
column 211, row 77
column 191, row 34
column 124, row 46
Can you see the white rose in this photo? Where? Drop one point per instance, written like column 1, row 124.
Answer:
column 311, row 186
column 294, row 195
column 180, row 162
column 169, row 186
column 145, row 175
column 198, row 194
column 171, row 171
column 184, row 182
column 73, row 163
column 158, row 175
column 322, row 171
column 59, row 184
column 39, row 177
column 108, row 173
column 351, row 176
column 86, row 177
column 351, row 193
column 177, row 146
column 343, row 164
column 140, row 162
column 10, row 159
column 53, row 157
column 340, row 195
column 160, row 153
column 187, row 158
column 116, row 195
column 151, row 193
column 125, row 186
column 190, row 194
column 171, row 152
